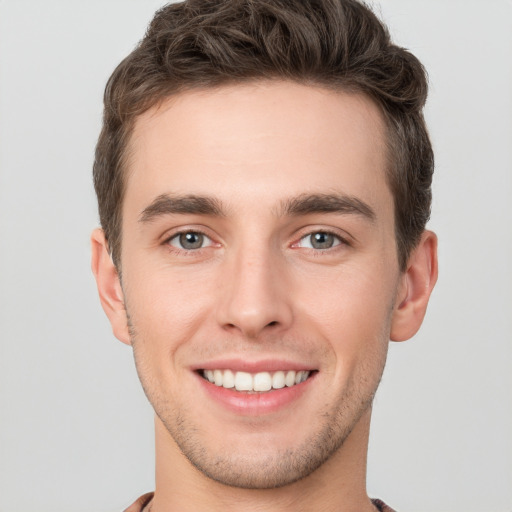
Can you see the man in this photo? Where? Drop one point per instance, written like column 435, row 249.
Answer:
column 263, row 178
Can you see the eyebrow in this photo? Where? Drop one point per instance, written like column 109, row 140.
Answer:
column 166, row 204
column 305, row 204
column 328, row 203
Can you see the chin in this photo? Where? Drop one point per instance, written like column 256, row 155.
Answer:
column 260, row 460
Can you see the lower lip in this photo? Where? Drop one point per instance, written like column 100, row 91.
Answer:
column 258, row 403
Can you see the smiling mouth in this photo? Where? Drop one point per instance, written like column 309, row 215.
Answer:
column 255, row 382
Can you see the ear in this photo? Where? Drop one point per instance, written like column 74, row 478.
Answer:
column 109, row 286
column 415, row 288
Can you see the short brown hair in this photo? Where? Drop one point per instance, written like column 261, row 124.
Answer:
column 338, row 44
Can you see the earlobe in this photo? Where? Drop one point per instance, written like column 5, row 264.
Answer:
column 109, row 286
column 417, row 283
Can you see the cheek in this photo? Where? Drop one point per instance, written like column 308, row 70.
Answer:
column 352, row 291
column 166, row 312
column 167, row 307
column 350, row 309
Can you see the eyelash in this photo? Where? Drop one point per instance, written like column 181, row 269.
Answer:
column 339, row 241
column 182, row 250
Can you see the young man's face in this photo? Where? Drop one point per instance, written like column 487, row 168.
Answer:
column 258, row 248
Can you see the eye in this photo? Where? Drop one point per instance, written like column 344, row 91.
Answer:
column 190, row 240
column 319, row 240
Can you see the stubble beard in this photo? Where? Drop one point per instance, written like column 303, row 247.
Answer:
column 270, row 470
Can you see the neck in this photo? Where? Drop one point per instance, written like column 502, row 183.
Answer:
column 338, row 485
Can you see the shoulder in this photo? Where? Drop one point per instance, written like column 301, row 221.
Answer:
column 381, row 506
column 139, row 504
column 144, row 500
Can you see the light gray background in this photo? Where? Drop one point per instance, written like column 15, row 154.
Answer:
column 75, row 429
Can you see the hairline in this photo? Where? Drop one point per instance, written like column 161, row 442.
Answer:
column 390, row 140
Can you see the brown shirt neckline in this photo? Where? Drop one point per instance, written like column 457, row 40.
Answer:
column 143, row 502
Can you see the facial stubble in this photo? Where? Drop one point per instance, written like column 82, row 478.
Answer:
column 276, row 468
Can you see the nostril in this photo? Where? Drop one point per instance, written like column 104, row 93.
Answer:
column 271, row 324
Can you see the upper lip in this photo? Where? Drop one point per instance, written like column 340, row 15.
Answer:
column 263, row 365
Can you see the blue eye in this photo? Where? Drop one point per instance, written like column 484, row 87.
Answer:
column 319, row 240
column 190, row 240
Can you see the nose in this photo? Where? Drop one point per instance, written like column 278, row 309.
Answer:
column 255, row 296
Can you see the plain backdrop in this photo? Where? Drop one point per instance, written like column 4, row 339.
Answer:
column 76, row 433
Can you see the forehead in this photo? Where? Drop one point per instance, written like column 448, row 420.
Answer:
column 257, row 142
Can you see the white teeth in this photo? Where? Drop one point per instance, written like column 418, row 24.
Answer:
column 217, row 377
column 262, row 381
column 289, row 380
column 301, row 377
column 278, row 380
column 243, row 381
column 228, row 380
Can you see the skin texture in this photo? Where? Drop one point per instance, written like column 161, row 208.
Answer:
column 258, row 292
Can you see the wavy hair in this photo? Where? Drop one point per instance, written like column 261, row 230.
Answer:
column 337, row 44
